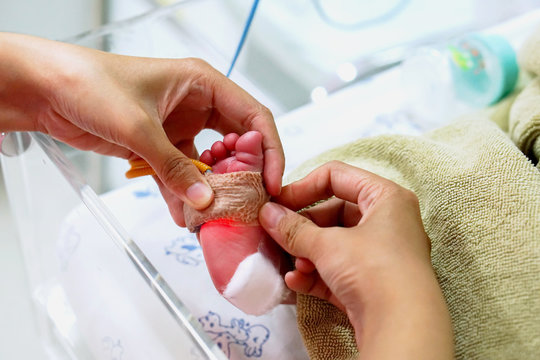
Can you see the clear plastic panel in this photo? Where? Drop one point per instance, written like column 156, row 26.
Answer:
column 75, row 285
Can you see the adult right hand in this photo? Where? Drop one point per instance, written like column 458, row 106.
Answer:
column 131, row 107
column 365, row 251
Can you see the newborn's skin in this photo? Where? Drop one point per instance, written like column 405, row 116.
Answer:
column 227, row 243
column 235, row 153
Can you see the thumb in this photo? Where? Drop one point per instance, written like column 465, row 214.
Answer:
column 294, row 233
column 180, row 176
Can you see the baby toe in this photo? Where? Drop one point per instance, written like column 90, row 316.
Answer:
column 230, row 141
column 250, row 142
column 219, row 151
column 207, row 158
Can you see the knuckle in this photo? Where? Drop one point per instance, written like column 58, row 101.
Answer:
column 335, row 164
column 174, row 169
column 403, row 195
column 294, row 231
column 406, row 195
column 137, row 123
column 196, row 63
column 410, row 196
column 257, row 112
column 199, row 71
column 265, row 112
column 327, row 166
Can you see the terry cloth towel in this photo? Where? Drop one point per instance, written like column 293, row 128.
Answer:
column 524, row 124
column 479, row 196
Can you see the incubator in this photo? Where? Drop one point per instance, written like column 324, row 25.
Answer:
column 112, row 277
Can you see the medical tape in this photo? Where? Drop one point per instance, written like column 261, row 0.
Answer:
column 238, row 196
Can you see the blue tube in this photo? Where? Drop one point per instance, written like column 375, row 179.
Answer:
column 244, row 35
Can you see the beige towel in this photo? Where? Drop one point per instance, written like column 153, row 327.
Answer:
column 524, row 124
column 480, row 202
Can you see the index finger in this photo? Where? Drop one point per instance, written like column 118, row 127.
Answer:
column 334, row 179
column 296, row 234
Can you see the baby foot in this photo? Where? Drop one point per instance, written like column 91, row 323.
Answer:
column 235, row 153
column 243, row 261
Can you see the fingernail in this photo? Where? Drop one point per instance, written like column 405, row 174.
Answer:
column 272, row 214
column 199, row 194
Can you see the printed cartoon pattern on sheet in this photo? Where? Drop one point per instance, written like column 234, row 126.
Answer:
column 113, row 349
column 236, row 334
column 186, row 250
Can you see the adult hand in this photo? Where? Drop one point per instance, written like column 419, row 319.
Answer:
column 366, row 252
column 131, row 107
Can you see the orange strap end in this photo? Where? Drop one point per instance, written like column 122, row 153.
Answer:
column 139, row 167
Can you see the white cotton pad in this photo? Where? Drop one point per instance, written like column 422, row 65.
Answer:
column 256, row 287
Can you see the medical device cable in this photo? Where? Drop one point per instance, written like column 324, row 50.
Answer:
column 244, row 35
column 392, row 12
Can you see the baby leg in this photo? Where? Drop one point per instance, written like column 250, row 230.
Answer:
column 244, row 263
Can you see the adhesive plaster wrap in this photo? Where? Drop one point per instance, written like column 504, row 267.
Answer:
column 238, row 196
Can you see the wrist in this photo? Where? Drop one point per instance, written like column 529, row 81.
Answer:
column 21, row 84
column 408, row 307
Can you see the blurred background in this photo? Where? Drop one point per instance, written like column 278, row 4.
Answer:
column 297, row 52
